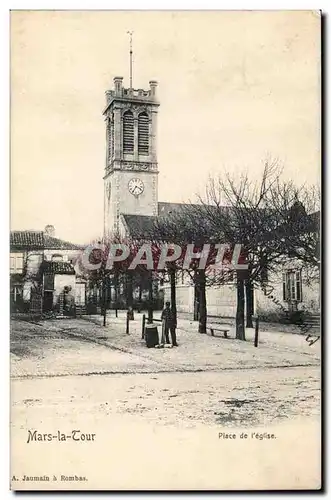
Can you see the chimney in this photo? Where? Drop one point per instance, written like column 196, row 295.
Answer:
column 50, row 230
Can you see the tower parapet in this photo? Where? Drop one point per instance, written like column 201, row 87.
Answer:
column 119, row 92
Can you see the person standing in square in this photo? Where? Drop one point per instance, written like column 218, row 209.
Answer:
column 170, row 323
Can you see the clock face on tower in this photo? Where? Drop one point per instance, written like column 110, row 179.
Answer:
column 136, row 186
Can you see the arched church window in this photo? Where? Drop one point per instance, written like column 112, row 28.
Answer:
column 112, row 140
column 128, row 132
column 143, row 134
column 109, row 140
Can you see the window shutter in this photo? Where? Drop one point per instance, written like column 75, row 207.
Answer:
column 298, row 286
column 128, row 132
column 143, row 134
column 109, row 140
column 112, row 140
column 284, row 288
column 19, row 263
column 292, row 294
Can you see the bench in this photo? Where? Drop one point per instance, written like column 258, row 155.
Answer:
column 214, row 329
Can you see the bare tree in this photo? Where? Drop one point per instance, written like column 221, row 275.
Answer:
column 271, row 219
column 264, row 216
column 183, row 227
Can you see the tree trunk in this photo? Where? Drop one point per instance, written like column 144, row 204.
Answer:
column 202, row 301
column 129, row 294
column 116, row 292
column 240, row 316
column 140, row 293
column 196, row 299
column 109, row 294
column 150, row 298
column 249, row 303
column 104, row 300
column 173, row 294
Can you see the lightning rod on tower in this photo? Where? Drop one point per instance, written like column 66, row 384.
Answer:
column 130, row 33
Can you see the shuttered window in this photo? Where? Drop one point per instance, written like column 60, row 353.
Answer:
column 143, row 134
column 128, row 132
column 110, row 140
column 16, row 263
column 298, row 283
column 292, row 286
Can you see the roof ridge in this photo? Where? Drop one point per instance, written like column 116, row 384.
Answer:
column 56, row 238
column 25, row 231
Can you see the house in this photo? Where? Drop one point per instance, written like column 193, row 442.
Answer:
column 295, row 286
column 59, row 271
column 26, row 257
column 41, row 265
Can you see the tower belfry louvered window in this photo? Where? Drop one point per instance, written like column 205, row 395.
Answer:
column 110, row 140
column 143, row 134
column 128, row 132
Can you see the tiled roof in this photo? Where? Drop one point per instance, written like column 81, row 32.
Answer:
column 27, row 239
column 139, row 226
column 38, row 239
column 305, row 225
column 58, row 267
column 165, row 208
column 57, row 244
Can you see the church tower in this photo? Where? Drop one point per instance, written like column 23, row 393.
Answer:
column 131, row 171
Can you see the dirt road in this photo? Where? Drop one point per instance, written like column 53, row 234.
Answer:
column 142, row 408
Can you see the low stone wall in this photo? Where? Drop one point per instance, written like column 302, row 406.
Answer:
column 221, row 301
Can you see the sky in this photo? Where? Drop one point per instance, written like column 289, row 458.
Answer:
column 234, row 89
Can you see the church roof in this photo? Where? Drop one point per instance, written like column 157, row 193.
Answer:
column 166, row 208
column 139, row 226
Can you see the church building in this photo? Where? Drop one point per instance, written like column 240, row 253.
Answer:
column 131, row 194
